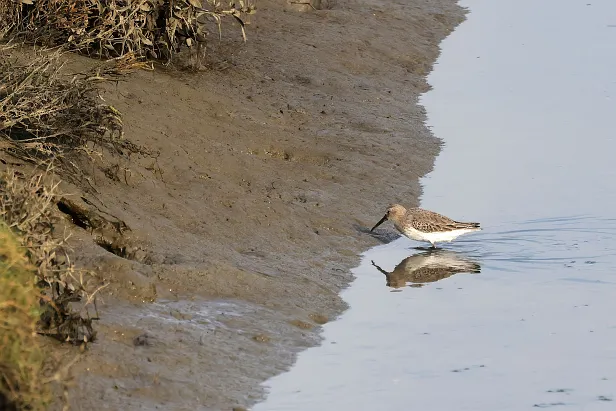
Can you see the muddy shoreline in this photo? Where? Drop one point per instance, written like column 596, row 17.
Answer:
column 270, row 167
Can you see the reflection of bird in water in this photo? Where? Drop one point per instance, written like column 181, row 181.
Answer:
column 428, row 267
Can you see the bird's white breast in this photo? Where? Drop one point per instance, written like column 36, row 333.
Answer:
column 435, row 237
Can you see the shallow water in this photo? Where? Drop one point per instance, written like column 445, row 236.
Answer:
column 520, row 315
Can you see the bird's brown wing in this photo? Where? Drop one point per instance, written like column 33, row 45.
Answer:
column 430, row 222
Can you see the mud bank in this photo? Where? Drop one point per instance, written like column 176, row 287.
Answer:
column 270, row 167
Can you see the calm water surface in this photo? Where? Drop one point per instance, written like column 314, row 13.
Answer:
column 522, row 315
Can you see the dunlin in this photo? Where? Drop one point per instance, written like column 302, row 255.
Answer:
column 424, row 225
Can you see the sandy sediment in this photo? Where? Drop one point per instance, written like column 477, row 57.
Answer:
column 271, row 164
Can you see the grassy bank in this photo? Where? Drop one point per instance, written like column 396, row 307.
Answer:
column 41, row 291
column 21, row 357
column 55, row 123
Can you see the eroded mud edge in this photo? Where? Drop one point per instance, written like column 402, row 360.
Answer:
column 244, row 228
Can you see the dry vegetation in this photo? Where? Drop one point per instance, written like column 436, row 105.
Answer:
column 41, row 291
column 46, row 115
column 110, row 28
column 27, row 207
column 21, row 358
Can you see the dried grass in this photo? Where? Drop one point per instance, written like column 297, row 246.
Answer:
column 26, row 205
column 46, row 115
column 111, row 28
column 21, row 358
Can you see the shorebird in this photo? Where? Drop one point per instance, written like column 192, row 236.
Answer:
column 424, row 225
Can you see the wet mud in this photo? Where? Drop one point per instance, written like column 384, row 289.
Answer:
column 226, row 250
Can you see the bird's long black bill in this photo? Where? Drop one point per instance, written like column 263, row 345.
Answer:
column 379, row 223
column 380, row 269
